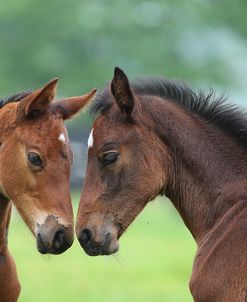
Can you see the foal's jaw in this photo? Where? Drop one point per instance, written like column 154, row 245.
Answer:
column 54, row 233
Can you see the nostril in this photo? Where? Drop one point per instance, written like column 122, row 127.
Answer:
column 86, row 236
column 39, row 239
column 108, row 236
column 40, row 244
column 59, row 239
column 107, row 243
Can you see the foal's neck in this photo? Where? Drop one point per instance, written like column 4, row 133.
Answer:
column 7, row 118
column 207, row 171
column 5, row 212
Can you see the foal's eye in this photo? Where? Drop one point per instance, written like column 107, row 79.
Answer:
column 110, row 158
column 34, row 159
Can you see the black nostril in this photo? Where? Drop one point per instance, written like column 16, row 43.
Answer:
column 85, row 236
column 59, row 239
column 40, row 244
column 108, row 236
column 39, row 239
column 107, row 243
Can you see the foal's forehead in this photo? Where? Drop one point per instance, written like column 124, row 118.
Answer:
column 45, row 132
column 108, row 129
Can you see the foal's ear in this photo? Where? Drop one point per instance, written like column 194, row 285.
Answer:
column 122, row 92
column 38, row 101
column 68, row 107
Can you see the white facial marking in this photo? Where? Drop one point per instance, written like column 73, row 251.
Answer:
column 62, row 137
column 90, row 140
column 41, row 218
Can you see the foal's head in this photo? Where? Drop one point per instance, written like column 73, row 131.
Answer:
column 125, row 168
column 35, row 163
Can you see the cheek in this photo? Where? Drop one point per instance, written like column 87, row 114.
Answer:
column 15, row 175
column 125, row 182
column 140, row 180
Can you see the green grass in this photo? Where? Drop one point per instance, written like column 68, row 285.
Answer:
column 154, row 264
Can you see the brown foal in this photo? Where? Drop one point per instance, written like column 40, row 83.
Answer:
column 35, row 163
column 155, row 137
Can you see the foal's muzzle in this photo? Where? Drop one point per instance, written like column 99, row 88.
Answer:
column 105, row 244
column 53, row 239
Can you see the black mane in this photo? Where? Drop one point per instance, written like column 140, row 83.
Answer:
column 229, row 117
column 13, row 98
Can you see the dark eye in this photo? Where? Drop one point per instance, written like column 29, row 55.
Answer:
column 110, row 158
column 34, row 159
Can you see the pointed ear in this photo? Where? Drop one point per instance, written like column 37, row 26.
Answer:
column 67, row 108
column 38, row 101
column 122, row 92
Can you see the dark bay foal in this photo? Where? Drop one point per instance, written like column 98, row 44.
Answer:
column 35, row 163
column 155, row 137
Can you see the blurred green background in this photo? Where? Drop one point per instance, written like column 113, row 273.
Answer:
column 203, row 42
column 153, row 264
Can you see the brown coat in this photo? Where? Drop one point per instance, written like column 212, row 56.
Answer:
column 157, row 137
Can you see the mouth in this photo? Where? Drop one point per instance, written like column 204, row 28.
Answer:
column 100, row 251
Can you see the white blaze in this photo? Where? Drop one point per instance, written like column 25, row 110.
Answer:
column 62, row 137
column 90, row 140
